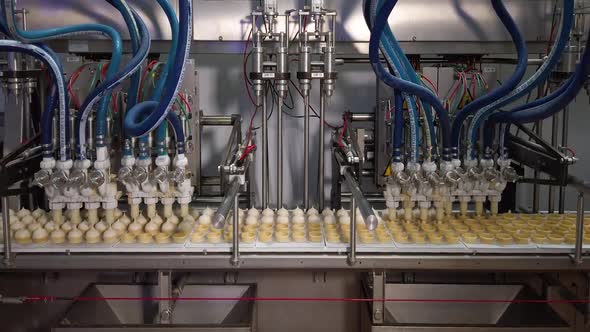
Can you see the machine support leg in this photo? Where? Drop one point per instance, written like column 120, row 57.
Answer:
column 378, row 297
column 165, row 288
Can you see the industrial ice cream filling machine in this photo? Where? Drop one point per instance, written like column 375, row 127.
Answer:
column 321, row 165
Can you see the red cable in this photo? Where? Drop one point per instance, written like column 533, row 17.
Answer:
column 570, row 150
column 185, row 102
column 73, row 79
column 431, row 83
column 455, row 87
column 144, row 75
column 30, row 299
column 245, row 66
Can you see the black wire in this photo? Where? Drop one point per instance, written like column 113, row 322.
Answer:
column 266, row 90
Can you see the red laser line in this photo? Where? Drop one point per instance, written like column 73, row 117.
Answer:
column 300, row 299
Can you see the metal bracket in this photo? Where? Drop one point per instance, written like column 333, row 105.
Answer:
column 537, row 154
column 378, row 297
column 165, row 289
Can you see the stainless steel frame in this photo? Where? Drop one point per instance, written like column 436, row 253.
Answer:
column 275, row 261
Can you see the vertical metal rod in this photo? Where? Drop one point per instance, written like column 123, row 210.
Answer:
column 564, row 141
column 235, row 256
column 536, row 187
column 280, row 148
column 321, row 179
column 352, row 251
column 554, row 133
column 306, row 153
column 579, row 229
column 264, row 152
column 6, row 232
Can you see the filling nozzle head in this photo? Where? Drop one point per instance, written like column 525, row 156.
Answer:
column 96, row 178
column 42, row 178
column 59, row 179
column 509, row 174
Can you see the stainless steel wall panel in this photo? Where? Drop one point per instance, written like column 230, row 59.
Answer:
column 214, row 20
column 55, row 13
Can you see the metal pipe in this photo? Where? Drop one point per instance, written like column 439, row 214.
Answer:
column 306, row 153
column 554, row 132
column 564, row 141
column 235, row 255
column 6, row 231
column 368, row 117
column 321, row 174
column 280, row 148
column 366, row 210
column 352, row 251
column 226, row 204
column 216, row 120
column 579, row 229
column 539, row 132
column 264, row 154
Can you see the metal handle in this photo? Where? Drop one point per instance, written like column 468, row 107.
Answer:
column 366, row 210
column 226, row 204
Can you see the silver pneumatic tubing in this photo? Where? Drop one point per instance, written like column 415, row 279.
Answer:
column 226, row 204
column 321, row 171
column 365, row 208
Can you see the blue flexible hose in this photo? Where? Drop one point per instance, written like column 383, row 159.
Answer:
column 560, row 100
column 133, row 123
column 397, row 69
column 40, row 35
column 47, row 122
column 504, row 89
column 413, row 77
column 538, row 78
column 112, row 82
column 411, row 88
column 162, row 131
column 134, row 34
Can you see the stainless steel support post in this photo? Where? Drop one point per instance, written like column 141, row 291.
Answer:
column 235, row 255
column 306, row 154
column 536, row 187
column 554, row 133
column 564, row 141
column 164, row 305
column 321, row 176
column 352, row 240
column 6, row 232
column 264, row 152
column 280, row 148
column 378, row 297
column 579, row 229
